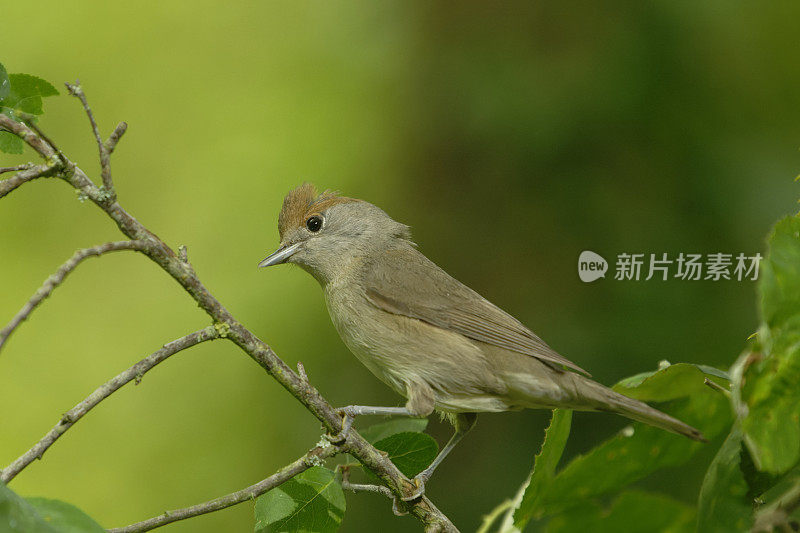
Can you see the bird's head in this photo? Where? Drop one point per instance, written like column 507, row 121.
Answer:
column 324, row 233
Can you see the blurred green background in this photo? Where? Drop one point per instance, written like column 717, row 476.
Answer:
column 509, row 136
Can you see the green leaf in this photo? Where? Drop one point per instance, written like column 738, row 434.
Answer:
column 382, row 430
column 544, row 465
column 391, row 427
column 675, row 381
column 65, row 517
column 10, row 143
column 25, row 94
column 5, row 85
column 632, row 512
column 758, row 482
column 42, row 515
column 18, row 516
column 311, row 502
column 711, row 371
column 768, row 398
column 724, row 504
column 411, row 452
column 779, row 282
column 631, row 455
column 27, row 84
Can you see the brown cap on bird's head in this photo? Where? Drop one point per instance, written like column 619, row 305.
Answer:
column 303, row 202
column 321, row 233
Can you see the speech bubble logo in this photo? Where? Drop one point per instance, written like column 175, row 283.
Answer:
column 591, row 266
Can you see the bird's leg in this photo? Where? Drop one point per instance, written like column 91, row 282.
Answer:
column 463, row 423
column 351, row 411
column 420, row 404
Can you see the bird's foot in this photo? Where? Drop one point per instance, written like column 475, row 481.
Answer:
column 397, row 508
column 348, row 414
column 419, row 487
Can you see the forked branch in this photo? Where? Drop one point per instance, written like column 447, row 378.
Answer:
column 26, row 173
column 225, row 324
column 16, row 168
column 105, row 148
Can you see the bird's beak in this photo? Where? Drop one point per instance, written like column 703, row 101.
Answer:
column 280, row 255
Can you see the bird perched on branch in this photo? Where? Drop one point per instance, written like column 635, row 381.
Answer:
column 426, row 335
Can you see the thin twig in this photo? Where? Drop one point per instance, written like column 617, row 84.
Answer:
column 31, row 120
column 397, row 506
column 105, row 161
column 717, row 387
column 29, row 136
column 101, row 393
column 17, row 168
column 301, row 371
column 115, row 136
column 358, row 487
column 55, row 280
column 76, row 90
column 26, row 175
column 313, row 457
column 491, row 518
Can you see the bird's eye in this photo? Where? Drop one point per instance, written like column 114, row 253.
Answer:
column 314, row 224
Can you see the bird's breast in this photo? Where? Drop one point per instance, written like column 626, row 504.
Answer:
column 399, row 349
column 366, row 333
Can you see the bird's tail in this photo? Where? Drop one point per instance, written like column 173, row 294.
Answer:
column 594, row 396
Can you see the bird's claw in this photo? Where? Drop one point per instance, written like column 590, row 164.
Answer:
column 397, row 507
column 348, row 415
column 419, row 484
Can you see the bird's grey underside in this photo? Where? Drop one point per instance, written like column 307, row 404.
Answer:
column 405, row 282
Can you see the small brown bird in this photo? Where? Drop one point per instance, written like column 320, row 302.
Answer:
column 426, row 335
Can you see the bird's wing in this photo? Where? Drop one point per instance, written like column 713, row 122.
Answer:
column 405, row 282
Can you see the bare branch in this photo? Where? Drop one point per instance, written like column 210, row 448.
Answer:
column 17, row 168
column 379, row 489
column 28, row 174
column 55, row 280
column 301, row 370
column 115, row 136
column 29, row 136
column 76, row 90
column 397, row 506
column 31, row 120
column 104, row 391
column 54, row 163
column 105, row 153
column 313, row 457
column 713, row 385
column 423, row 509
